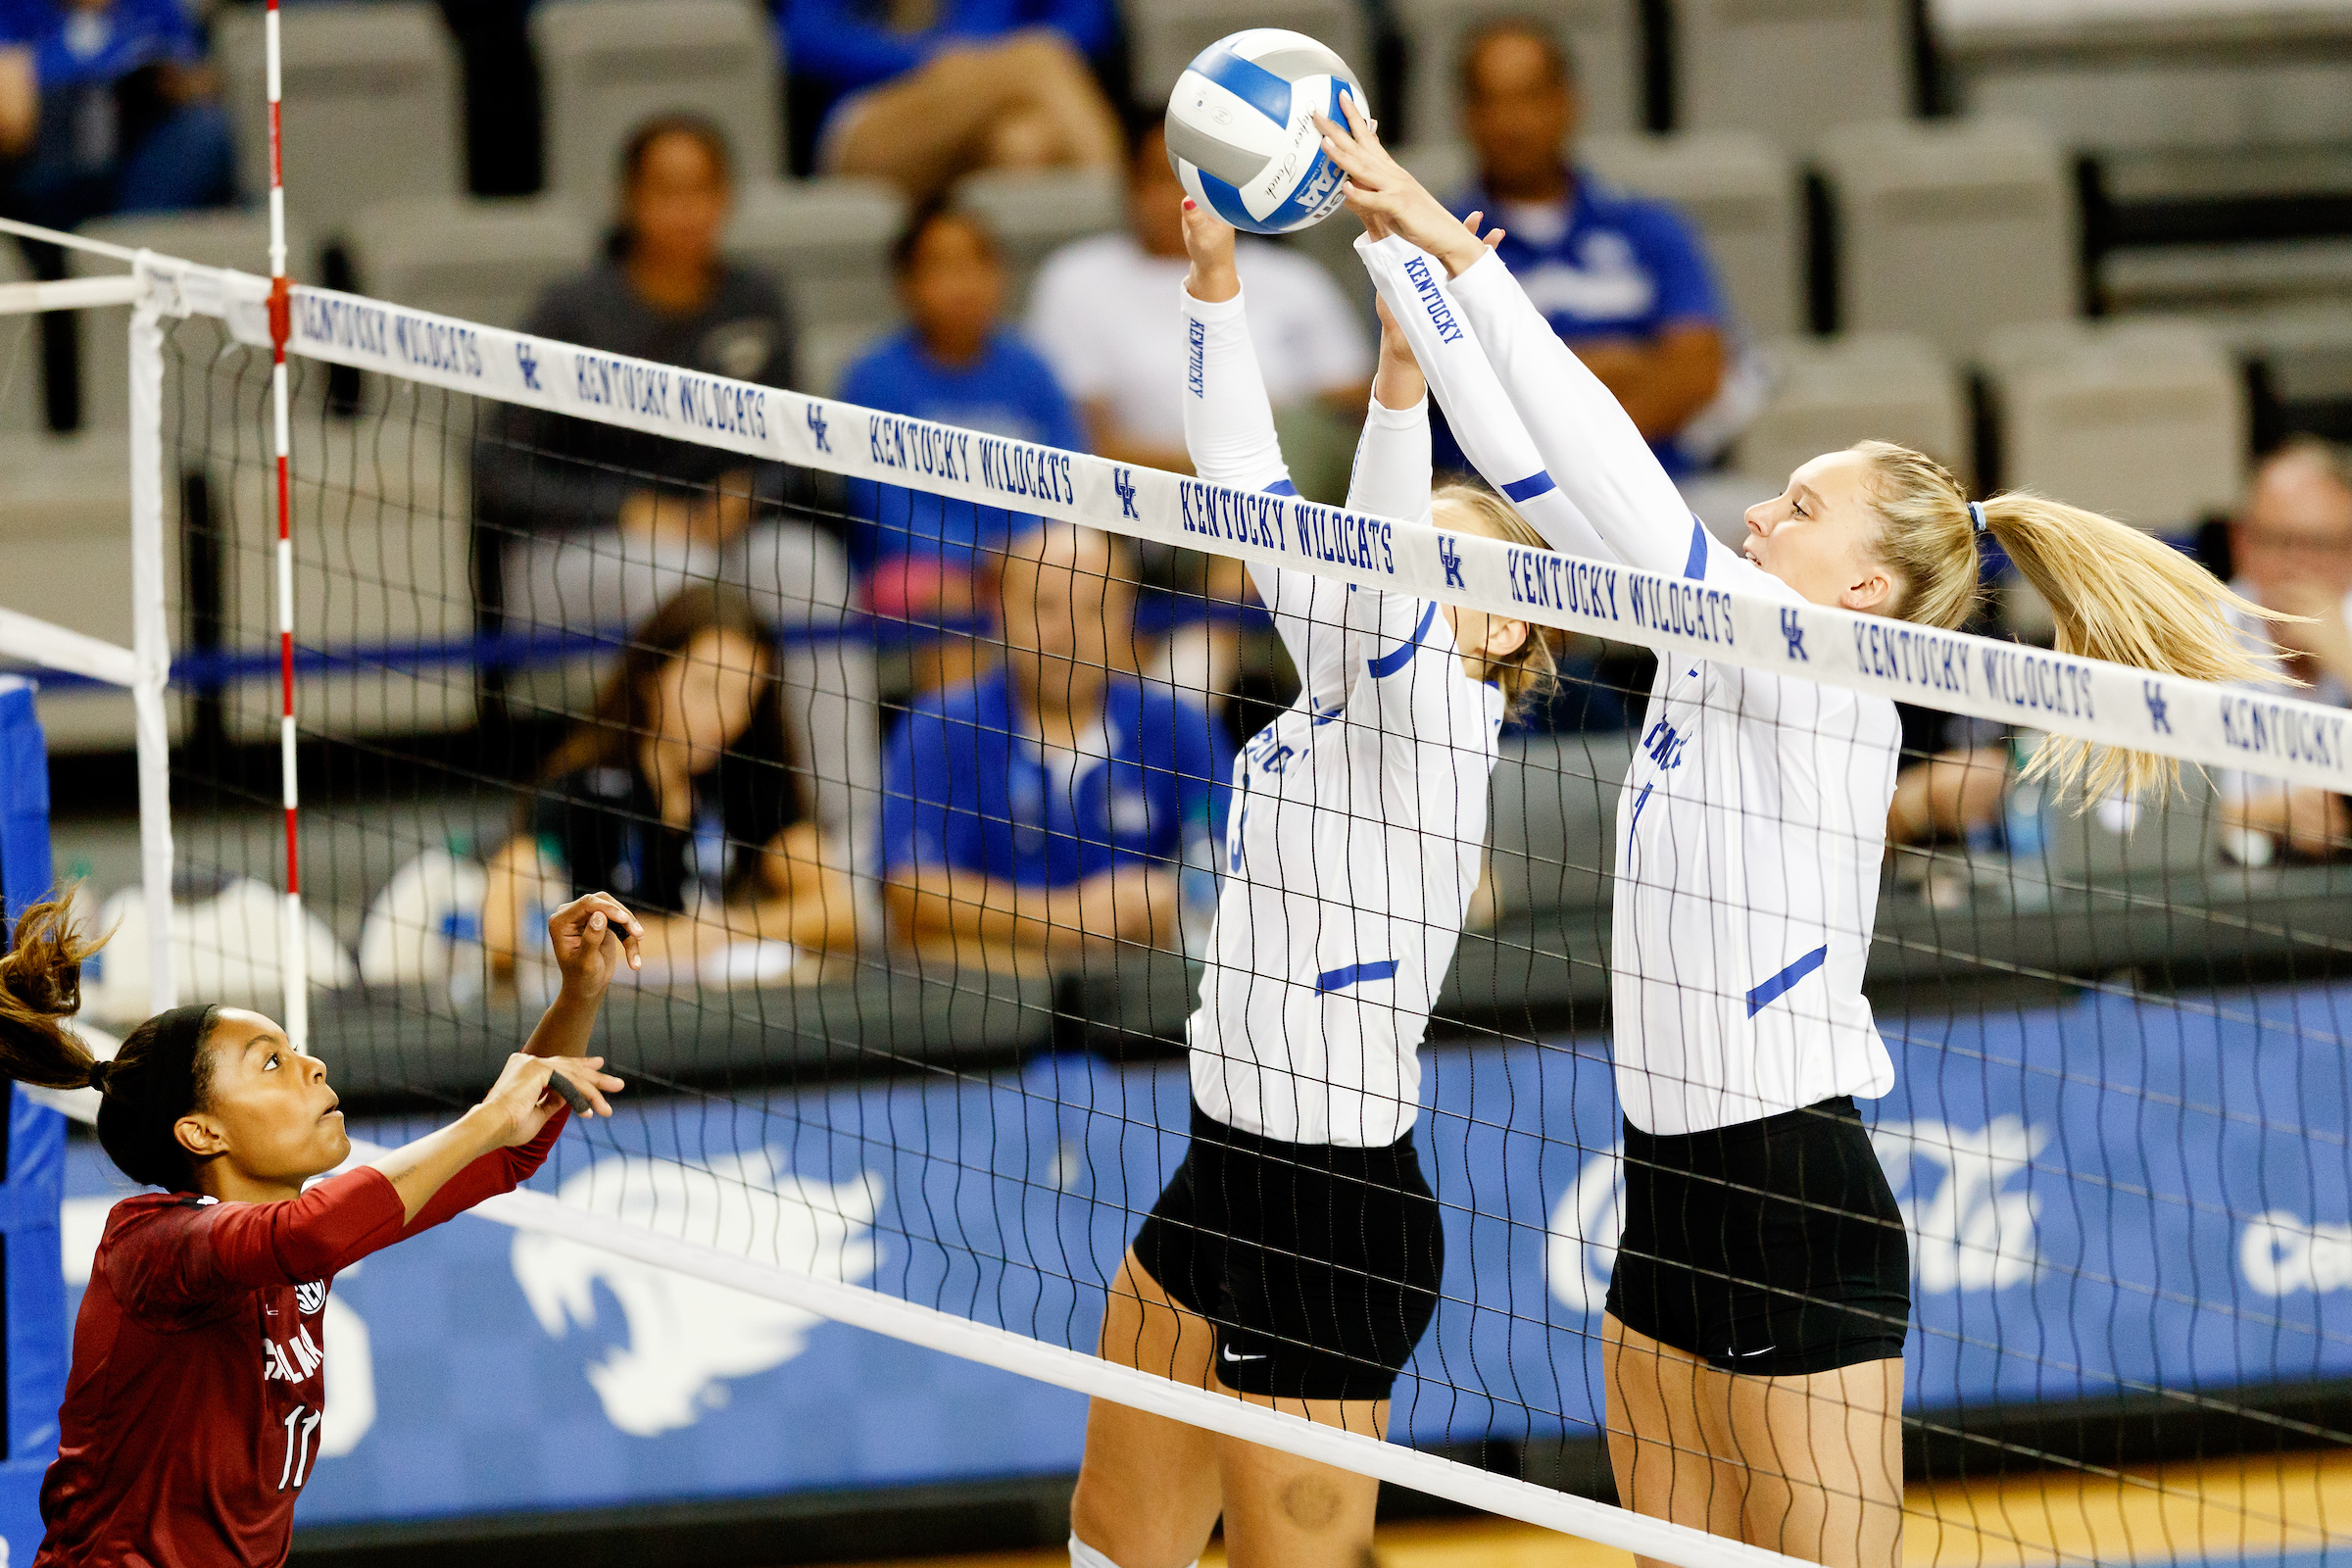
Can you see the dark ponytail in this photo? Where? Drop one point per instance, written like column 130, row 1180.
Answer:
column 158, row 1075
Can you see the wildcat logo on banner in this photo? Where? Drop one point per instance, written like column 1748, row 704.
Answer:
column 685, row 1337
column 1971, row 1229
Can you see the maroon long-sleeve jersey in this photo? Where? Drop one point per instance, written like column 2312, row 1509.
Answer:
column 191, row 1416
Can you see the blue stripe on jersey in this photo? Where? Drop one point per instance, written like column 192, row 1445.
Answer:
column 1330, row 714
column 1780, row 985
column 1281, row 487
column 1396, row 659
column 1535, row 484
column 1695, row 568
column 1355, row 974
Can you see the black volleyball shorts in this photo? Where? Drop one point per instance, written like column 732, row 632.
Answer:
column 1318, row 1265
column 1771, row 1248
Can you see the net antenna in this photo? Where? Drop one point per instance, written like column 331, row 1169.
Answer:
column 295, row 951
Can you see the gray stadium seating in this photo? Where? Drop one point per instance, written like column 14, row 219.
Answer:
column 1164, row 36
column 483, row 260
column 1553, row 809
column 372, row 105
column 1740, row 191
column 22, row 390
column 1604, row 36
column 232, row 239
column 1950, row 228
column 608, row 66
column 1829, row 393
column 829, row 241
column 65, row 532
column 1788, row 70
column 1737, row 188
column 2143, row 420
column 1033, row 214
column 382, row 558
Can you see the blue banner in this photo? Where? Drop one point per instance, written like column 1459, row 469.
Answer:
column 2104, row 1199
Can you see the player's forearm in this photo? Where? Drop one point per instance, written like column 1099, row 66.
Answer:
column 1228, row 418
column 420, row 1169
column 564, row 1028
column 1585, row 441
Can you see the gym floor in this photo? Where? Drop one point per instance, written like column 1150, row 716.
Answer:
column 2290, row 1511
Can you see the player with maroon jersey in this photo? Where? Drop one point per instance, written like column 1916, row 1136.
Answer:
column 191, row 1416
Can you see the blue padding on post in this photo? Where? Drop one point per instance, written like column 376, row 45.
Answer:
column 24, row 870
column 1535, row 484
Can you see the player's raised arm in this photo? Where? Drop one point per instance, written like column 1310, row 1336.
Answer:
column 1581, row 440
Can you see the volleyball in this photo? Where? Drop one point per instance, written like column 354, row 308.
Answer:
column 1241, row 129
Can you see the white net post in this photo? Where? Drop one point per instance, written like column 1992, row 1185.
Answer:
column 151, row 633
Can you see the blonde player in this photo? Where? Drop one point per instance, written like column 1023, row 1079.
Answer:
column 1293, row 1259
column 1755, row 1322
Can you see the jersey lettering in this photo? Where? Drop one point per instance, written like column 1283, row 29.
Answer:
column 300, row 1423
column 295, row 1359
column 1665, row 745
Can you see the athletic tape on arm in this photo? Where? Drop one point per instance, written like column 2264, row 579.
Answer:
column 2287, row 738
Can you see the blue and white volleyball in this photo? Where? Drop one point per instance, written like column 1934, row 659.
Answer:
column 1241, row 129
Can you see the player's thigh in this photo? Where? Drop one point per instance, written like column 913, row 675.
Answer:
column 1281, row 1510
column 1825, row 1462
column 1666, row 1432
column 1148, row 1492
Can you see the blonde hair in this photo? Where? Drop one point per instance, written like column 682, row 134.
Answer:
column 2116, row 593
column 1533, row 669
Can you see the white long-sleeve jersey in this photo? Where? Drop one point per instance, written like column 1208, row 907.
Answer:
column 1358, row 815
column 1753, row 821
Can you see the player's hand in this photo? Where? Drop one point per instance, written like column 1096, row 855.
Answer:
column 1208, row 241
column 1388, row 198
column 524, row 1096
column 592, row 937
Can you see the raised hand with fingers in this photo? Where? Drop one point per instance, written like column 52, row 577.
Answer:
column 592, row 937
column 1390, row 200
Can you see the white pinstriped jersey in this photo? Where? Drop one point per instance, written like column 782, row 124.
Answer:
column 1358, row 815
column 1753, row 821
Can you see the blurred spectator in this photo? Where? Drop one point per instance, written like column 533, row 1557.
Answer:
column 1107, row 315
column 683, row 797
column 107, row 106
column 1622, row 278
column 603, row 526
column 924, row 91
column 2291, row 546
column 1954, row 778
column 1046, row 806
column 954, row 365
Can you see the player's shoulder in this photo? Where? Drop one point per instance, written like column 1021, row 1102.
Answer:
column 143, row 1222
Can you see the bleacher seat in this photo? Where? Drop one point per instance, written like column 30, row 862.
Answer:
column 2143, row 420
column 1950, row 228
column 232, row 239
column 1034, row 214
column 1164, row 36
column 65, row 532
column 24, row 409
column 830, row 242
column 1739, row 189
column 608, row 66
column 1831, row 393
column 482, row 261
column 382, row 562
column 372, row 105
column 1788, row 70
column 1603, row 36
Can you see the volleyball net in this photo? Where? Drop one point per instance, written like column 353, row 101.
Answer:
column 933, row 819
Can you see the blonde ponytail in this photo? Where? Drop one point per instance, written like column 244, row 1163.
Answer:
column 2116, row 593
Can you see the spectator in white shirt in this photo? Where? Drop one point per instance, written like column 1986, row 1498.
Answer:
column 1108, row 313
column 2291, row 545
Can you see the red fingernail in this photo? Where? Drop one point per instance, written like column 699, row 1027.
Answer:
column 1189, row 205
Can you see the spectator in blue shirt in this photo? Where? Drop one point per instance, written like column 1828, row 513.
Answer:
column 922, row 553
column 922, row 91
column 107, row 106
column 1045, row 807
column 1623, row 279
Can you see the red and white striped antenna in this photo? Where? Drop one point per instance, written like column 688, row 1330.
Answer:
column 294, row 950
